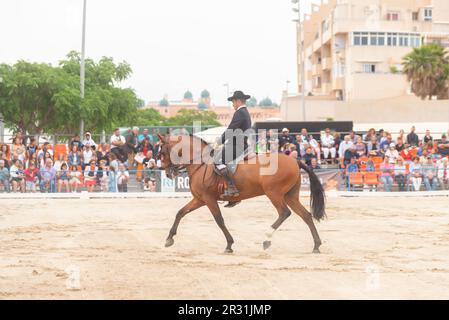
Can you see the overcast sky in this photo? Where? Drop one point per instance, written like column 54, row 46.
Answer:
column 172, row 45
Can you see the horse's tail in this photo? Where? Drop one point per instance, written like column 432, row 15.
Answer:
column 317, row 197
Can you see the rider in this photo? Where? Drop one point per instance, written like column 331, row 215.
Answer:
column 241, row 121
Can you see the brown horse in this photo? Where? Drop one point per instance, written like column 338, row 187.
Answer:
column 253, row 177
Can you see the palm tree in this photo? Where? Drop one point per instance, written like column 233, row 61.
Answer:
column 427, row 68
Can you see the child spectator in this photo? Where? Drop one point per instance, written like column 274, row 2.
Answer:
column 58, row 163
column 63, row 176
column 370, row 165
column 31, row 177
column 309, row 156
column 122, row 178
column 4, row 176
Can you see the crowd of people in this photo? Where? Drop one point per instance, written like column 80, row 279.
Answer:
column 408, row 161
column 27, row 167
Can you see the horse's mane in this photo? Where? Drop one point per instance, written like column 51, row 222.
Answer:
column 198, row 138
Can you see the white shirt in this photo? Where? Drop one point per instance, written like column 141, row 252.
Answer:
column 90, row 142
column 87, row 156
column 327, row 141
column 115, row 138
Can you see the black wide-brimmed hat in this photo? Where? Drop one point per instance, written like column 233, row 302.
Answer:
column 239, row 95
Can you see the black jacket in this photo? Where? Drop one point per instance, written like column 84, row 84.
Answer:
column 241, row 120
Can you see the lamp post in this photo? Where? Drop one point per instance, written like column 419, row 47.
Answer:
column 301, row 56
column 82, row 66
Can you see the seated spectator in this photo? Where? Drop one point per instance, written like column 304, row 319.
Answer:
column 443, row 146
column 316, row 147
column 122, row 178
column 381, row 136
column 349, row 154
column 328, row 145
column 291, row 151
column 354, row 137
column 392, row 153
column 370, row 165
column 103, row 154
column 353, row 166
column 304, row 135
column 373, row 147
column 406, row 154
column 74, row 156
column 103, row 176
column 345, row 145
column 429, row 170
column 145, row 146
column 428, row 138
column 46, row 149
column 32, row 159
column 423, row 156
column 386, row 175
column 88, row 155
column 150, row 185
column 360, row 147
column 90, row 176
column 314, row 165
column 369, row 135
column 443, row 173
column 75, row 178
column 416, row 174
column 309, row 156
column 4, row 176
column 31, row 174
column 145, row 135
column 63, row 176
column 400, row 145
column 284, row 139
column 88, row 140
column 58, row 163
column 386, row 143
column 17, row 176
column 48, row 177
column 337, row 141
column 400, row 173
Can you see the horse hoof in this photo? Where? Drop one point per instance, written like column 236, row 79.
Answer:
column 228, row 251
column 316, row 251
column 266, row 245
column 169, row 243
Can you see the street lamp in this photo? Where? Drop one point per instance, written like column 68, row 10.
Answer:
column 82, row 66
column 301, row 55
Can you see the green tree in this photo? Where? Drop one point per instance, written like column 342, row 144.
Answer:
column 266, row 102
column 186, row 117
column 427, row 68
column 148, row 117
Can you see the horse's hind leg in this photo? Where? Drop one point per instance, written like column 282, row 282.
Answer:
column 292, row 199
column 284, row 212
column 189, row 207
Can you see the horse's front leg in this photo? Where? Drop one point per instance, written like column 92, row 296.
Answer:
column 189, row 207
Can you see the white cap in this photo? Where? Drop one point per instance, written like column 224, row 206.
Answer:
column 285, row 130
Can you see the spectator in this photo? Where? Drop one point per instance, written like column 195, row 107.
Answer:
column 369, row 135
column 428, row 138
column 443, row 146
column 400, row 144
column 46, row 149
column 146, row 146
column 412, row 138
column 17, row 176
column 345, row 145
column 76, row 141
column 401, row 135
column 370, row 165
column 351, row 168
column 103, row 176
column 383, row 135
column 360, row 147
column 32, row 148
column 103, row 154
column 430, row 174
column 386, row 143
column 87, row 155
column 75, row 178
column 63, row 176
column 74, row 156
column 5, row 155
column 406, row 154
column 32, row 159
column 18, row 150
column 309, row 156
column 373, row 147
column 328, row 145
column 122, row 178
column 443, row 173
column 304, row 135
column 4, row 176
column 353, row 137
column 31, row 174
column 299, row 143
column 131, row 147
column 386, row 175
column 349, row 154
column 400, row 173
column 416, row 174
column 58, row 163
column 48, row 176
column 292, row 151
column 314, row 165
column 144, row 136
column 337, row 141
column 316, row 148
column 118, row 145
column 88, row 140
column 90, row 176
column 392, row 153
column 284, row 139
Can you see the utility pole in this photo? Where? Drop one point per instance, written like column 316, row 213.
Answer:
column 83, row 67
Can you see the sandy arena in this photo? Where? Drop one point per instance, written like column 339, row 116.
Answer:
column 390, row 248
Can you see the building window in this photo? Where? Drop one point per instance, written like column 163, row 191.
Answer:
column 392, row 39
column 369, row 68
column 428, row 14
column 403, row 39
column 377, row 38
column 415, row 16
column 364, row 38
column 357, row 39
column 393, row 16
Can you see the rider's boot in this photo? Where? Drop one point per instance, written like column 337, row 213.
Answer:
column 231, row 191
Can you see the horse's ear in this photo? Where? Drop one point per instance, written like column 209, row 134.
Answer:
column 161, row 137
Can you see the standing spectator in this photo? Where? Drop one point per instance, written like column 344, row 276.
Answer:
column 32, row 148
column 386, row 175
column 118, row 145
column 400, row 173
column 131, row 147
column 63, row 176
column 122, row 178
column 430, row 171
column 428, row 138
column 88, row 140
column 90, row 176
column 345, row 145
column 443, row 173
column 76, row 141
column 4, row 176
column 284, row 139
column 48, row 176
column 145, row 135
column 31, row 177
column 113, row 169
column 401, row 135
column 87, row 155
column 75, row 178
column 74, row 156
column 416, row 174
column 412, row 138
column 17, row 176
column 443, row 146
column 392, row 153
column 328, row 145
